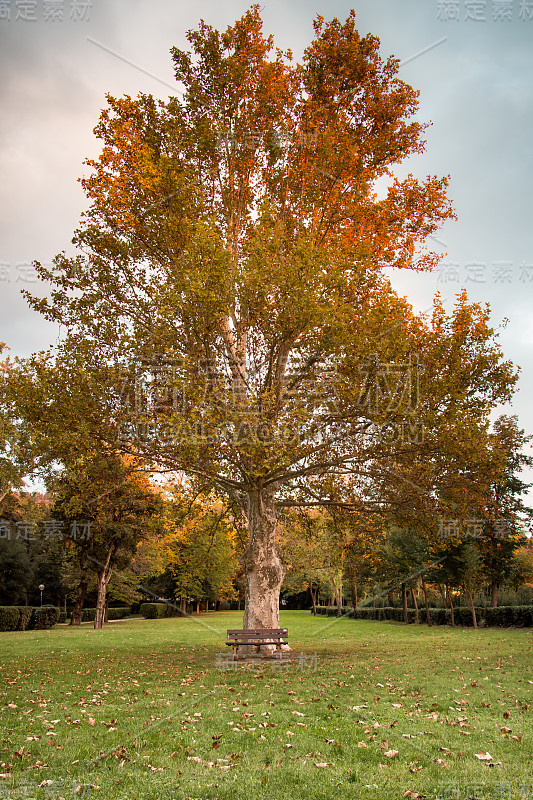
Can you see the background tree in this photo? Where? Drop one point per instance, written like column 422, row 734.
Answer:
column 505, row 516
column 108, row 503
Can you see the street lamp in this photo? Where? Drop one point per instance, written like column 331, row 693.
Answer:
column 41, row 589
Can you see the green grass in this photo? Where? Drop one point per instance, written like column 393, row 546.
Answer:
column 135, row 709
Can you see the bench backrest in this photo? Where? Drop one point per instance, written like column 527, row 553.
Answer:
column 259, row 633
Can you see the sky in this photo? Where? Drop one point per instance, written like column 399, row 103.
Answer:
column 472, row 61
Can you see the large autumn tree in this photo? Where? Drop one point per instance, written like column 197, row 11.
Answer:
column 231, row 267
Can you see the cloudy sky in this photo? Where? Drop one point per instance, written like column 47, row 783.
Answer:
column 472, row 61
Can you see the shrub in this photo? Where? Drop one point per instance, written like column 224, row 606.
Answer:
column 9, row 618
column 62, row 616
column 158, row 610
column 118, row 613
column 44, row 618
column 155, row 610
column 88, row 614
column 25, row 613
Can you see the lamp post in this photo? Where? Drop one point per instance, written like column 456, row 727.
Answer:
column 41, row 589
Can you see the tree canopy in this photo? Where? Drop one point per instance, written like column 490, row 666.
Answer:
column 229, row 306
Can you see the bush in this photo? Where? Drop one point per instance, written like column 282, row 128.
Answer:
column 88, row 614
column 118, row 613
column 158, row 610
column 502, row 616
column 44, row 618
column 25, row 613
column 9, row 618
column 62, row 616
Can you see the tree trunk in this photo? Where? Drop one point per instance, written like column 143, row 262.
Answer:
column 78, row 603
column 354, row 594
column 413, row 595
column 206, row 605
column 183, row 606
column 391, row 598
column 494, row 593
column 197, row 606
column 470, row 601
column 428, row 615
column 263, row 569
column 443, row 595
column 449, row 596
column 104, row 576
column 404, row 603
column 313, row 598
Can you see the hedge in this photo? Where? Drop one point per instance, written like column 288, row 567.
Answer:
column 9, row 618
column 502, row 616
column 120, row 612
column 44, row 618
column 21, row 618
column 158, row 610
column 89, row 614
column 25, row 613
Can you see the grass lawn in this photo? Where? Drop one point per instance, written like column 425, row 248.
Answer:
column 364, row 710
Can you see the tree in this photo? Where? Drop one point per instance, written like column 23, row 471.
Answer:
column 108, row 504
column 231, row 269
column 505, row 515
column 201, row 548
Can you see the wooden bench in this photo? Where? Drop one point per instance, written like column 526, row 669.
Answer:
column 257, row 637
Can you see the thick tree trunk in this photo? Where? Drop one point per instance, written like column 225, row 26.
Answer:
column 354, row 587
column 404, row 603
column 428, row 615
column 78, row 603
column 494, row 593
column 262, row 564
column 183, row 606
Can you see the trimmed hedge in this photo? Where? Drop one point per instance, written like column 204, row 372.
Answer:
column 158, row 610
column 44, row 618
column 502, row 616
column 89, row 614
column 25, row 613
column 9, row 618
column 21, row 618
column 120, row 612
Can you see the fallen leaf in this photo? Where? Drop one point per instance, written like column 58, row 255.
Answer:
column 324, row 764
column 391, row 753
column 483, row 756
